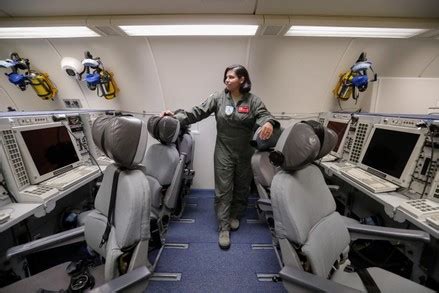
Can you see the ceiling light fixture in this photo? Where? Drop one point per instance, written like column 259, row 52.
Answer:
column 190, row 30
column 46, row 32
column 353, row 32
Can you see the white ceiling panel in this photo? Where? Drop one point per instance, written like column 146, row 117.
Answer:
column 377, row 8
column 117, row 7
column 371, row 8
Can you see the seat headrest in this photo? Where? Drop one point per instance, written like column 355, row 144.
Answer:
column 265, row 145
column 165, row 129
column 327, row 137
column 122, row 139
column 329, row 142
column 301, row 144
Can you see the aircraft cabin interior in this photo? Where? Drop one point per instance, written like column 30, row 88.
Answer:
column 219, row 146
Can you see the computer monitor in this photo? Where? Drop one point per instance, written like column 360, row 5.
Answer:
column 47, row 150
column 340, row 126
column 391, row 152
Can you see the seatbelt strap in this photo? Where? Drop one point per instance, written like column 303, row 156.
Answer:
column 111, row 208
column 368, row 281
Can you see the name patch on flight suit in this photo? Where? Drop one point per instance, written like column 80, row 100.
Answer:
column 244, row 109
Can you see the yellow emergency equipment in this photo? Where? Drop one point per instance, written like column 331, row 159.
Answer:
column 108, row 87
column 43, row 86
column 22, row 75
column 354, row 79
column 343, row 89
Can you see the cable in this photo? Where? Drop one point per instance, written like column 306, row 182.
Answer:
column 86, row 148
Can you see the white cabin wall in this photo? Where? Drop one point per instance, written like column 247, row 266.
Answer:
column 291, row 75
column 132, row 63
column 411, row 95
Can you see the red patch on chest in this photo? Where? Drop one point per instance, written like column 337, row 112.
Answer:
column 244, row 109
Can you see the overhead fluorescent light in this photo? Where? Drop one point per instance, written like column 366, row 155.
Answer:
column 190, row 30
column 46, row 32
column 354, row 32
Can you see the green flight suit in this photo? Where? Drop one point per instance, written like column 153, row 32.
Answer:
column 235, row 126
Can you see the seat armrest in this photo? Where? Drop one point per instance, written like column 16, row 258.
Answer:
column 359, row 230
column 76, row 235
column 264, row 204
column 123, row 282
column 311, row 282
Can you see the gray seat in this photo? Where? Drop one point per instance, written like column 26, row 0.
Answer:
column 186, row 147
column 164, row 167
column 263, row 173
column 313, row 237
column 123, row 139
column 263, row 170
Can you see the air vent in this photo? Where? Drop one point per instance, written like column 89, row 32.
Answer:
column 14, row 158
column 107, row 30
column 360, row 136
column 272, row 30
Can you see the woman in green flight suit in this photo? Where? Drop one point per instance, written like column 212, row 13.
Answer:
column 237, row 113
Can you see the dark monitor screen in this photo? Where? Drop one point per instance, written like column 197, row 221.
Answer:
column 50, row 148
column 389, row 151
column 340, row 129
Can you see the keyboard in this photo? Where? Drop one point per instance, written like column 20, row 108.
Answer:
column 340, row 166
column 368, row 180
column 70, row 178
column 37, row 193
column 420, row 208
column 328, row 158
column 433, row 220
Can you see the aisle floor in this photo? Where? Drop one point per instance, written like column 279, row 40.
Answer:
column 204, row 267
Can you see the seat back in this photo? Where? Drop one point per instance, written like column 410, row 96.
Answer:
column 123, row 139
column 186, row 147
column 186, row 144
column 303, row 207
column 263, row 170
column 163, row 163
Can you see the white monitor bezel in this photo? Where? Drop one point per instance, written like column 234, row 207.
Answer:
column 405, row 178
column 34, row 176
column 339, row 152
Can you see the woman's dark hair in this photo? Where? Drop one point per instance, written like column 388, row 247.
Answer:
column 240, row 71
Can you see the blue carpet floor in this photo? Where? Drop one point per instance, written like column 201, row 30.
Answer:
column 207, row 268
